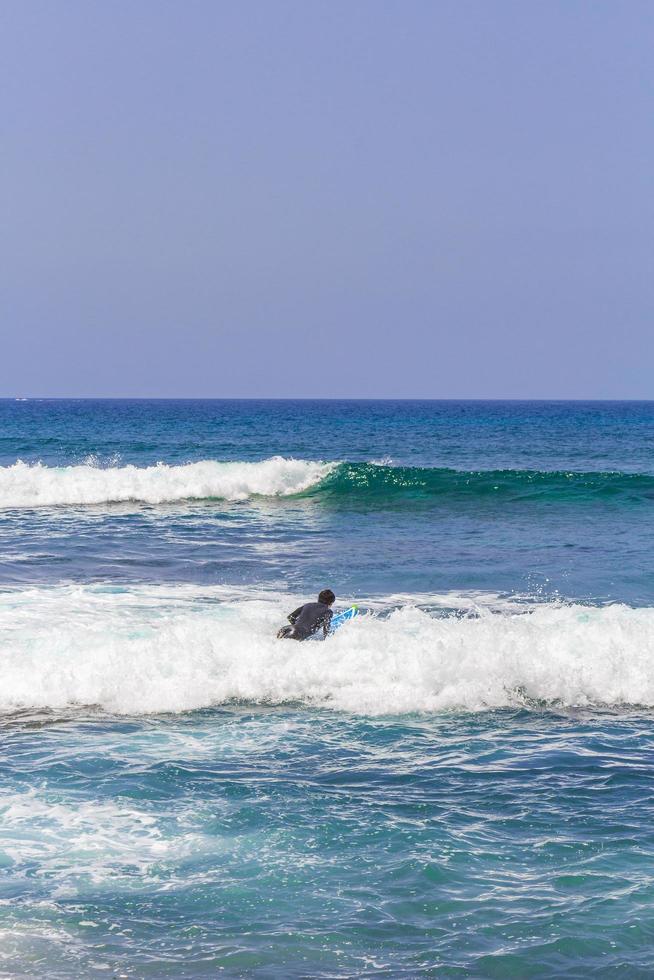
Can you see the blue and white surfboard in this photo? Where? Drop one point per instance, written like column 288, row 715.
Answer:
column 343, row 617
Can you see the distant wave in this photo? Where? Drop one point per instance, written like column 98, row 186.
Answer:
column 154, row 649
column 359, row 484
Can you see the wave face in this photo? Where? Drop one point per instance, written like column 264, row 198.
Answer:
column 382, row 482
column 36, row 485
column 148, row 650
column 374, row 484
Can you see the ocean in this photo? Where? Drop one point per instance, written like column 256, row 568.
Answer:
column 458, row 783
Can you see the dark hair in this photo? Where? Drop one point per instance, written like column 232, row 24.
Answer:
column 327, row 596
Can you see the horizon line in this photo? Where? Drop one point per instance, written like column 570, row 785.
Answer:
column 309, row 398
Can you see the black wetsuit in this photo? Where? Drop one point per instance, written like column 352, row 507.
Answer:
column 306, row 621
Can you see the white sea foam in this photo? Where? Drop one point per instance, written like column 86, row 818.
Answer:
column 47, row 830
column 37, row 485
column 154, row 650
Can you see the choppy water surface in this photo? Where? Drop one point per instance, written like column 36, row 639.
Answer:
column 458, row 783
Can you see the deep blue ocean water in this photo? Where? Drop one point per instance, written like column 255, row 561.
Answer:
column 459, row 783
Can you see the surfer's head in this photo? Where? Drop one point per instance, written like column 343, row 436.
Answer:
column 327, row 597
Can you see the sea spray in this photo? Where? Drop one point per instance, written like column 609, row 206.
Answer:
column 23, row 485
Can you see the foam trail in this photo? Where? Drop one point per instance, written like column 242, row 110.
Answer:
column 36, row 485
column 138, row 653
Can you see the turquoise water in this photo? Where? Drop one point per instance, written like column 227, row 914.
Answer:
column 458, row 783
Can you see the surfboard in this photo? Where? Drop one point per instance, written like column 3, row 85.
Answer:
column 343, row 617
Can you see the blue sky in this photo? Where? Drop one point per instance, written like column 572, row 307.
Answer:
column 369, row 198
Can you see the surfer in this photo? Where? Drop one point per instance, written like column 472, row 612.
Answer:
column 309, row 618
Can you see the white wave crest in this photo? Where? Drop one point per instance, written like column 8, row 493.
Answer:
column 140, row 652
column 37, row 485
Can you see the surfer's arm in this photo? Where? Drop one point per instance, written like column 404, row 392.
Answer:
column 327, row 623
column 293, row 616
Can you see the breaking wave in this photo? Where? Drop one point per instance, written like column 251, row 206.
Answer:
column 149, row 650
column 36, row 485
column 339, row 484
